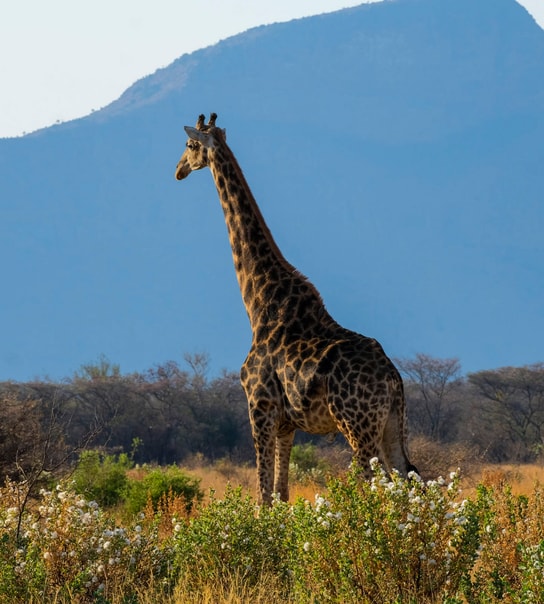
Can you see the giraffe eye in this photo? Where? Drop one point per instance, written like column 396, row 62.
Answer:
column 192, row 145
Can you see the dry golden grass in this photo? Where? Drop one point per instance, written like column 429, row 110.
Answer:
column 235, row 591
column 218, row 476
column 522, row 478
column 432, row 459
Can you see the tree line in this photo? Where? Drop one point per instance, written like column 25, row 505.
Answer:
column 173, row 413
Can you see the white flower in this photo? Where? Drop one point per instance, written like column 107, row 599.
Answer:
column 46, row 556
column 460, row 520
column 306, row 547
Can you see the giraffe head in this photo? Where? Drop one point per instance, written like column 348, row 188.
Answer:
column 201, row 140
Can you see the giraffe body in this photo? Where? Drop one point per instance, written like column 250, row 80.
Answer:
column 304, row 371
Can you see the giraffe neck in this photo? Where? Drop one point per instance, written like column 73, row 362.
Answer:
column 265, row 277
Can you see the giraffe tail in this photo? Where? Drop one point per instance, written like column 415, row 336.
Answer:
column 396, row 431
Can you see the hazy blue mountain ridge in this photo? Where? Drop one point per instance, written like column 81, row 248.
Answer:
column 395, row 152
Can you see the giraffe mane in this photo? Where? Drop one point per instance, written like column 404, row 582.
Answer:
column 267, row 233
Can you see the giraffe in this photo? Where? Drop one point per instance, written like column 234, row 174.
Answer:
column 303, row 371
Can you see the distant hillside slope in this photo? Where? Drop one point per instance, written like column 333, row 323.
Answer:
column 395, row 150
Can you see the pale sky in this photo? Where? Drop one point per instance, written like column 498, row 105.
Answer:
column 61, row 59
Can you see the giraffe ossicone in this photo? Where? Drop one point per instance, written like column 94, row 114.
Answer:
column 304, row 371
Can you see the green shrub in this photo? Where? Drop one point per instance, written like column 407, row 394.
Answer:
column 306, row 466
column 102, row 478
column 160, row 482
column 232, row 539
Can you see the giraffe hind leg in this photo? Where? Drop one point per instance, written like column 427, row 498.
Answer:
column 365, row 449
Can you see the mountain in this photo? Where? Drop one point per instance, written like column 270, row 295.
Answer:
column 395, row 150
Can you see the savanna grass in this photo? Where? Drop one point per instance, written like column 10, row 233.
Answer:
column 387, row 540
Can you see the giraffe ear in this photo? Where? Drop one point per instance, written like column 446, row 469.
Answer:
column 196, row 135
column 201, row 136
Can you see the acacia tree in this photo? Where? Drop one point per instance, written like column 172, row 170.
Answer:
column 512, row 401
column 433, row 388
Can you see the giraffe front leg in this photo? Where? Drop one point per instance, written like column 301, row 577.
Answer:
column 264, row 450
column 264, row 432
column 284, row 444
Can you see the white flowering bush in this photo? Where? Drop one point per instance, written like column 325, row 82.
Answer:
column 380, row 540
column 67, row 547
